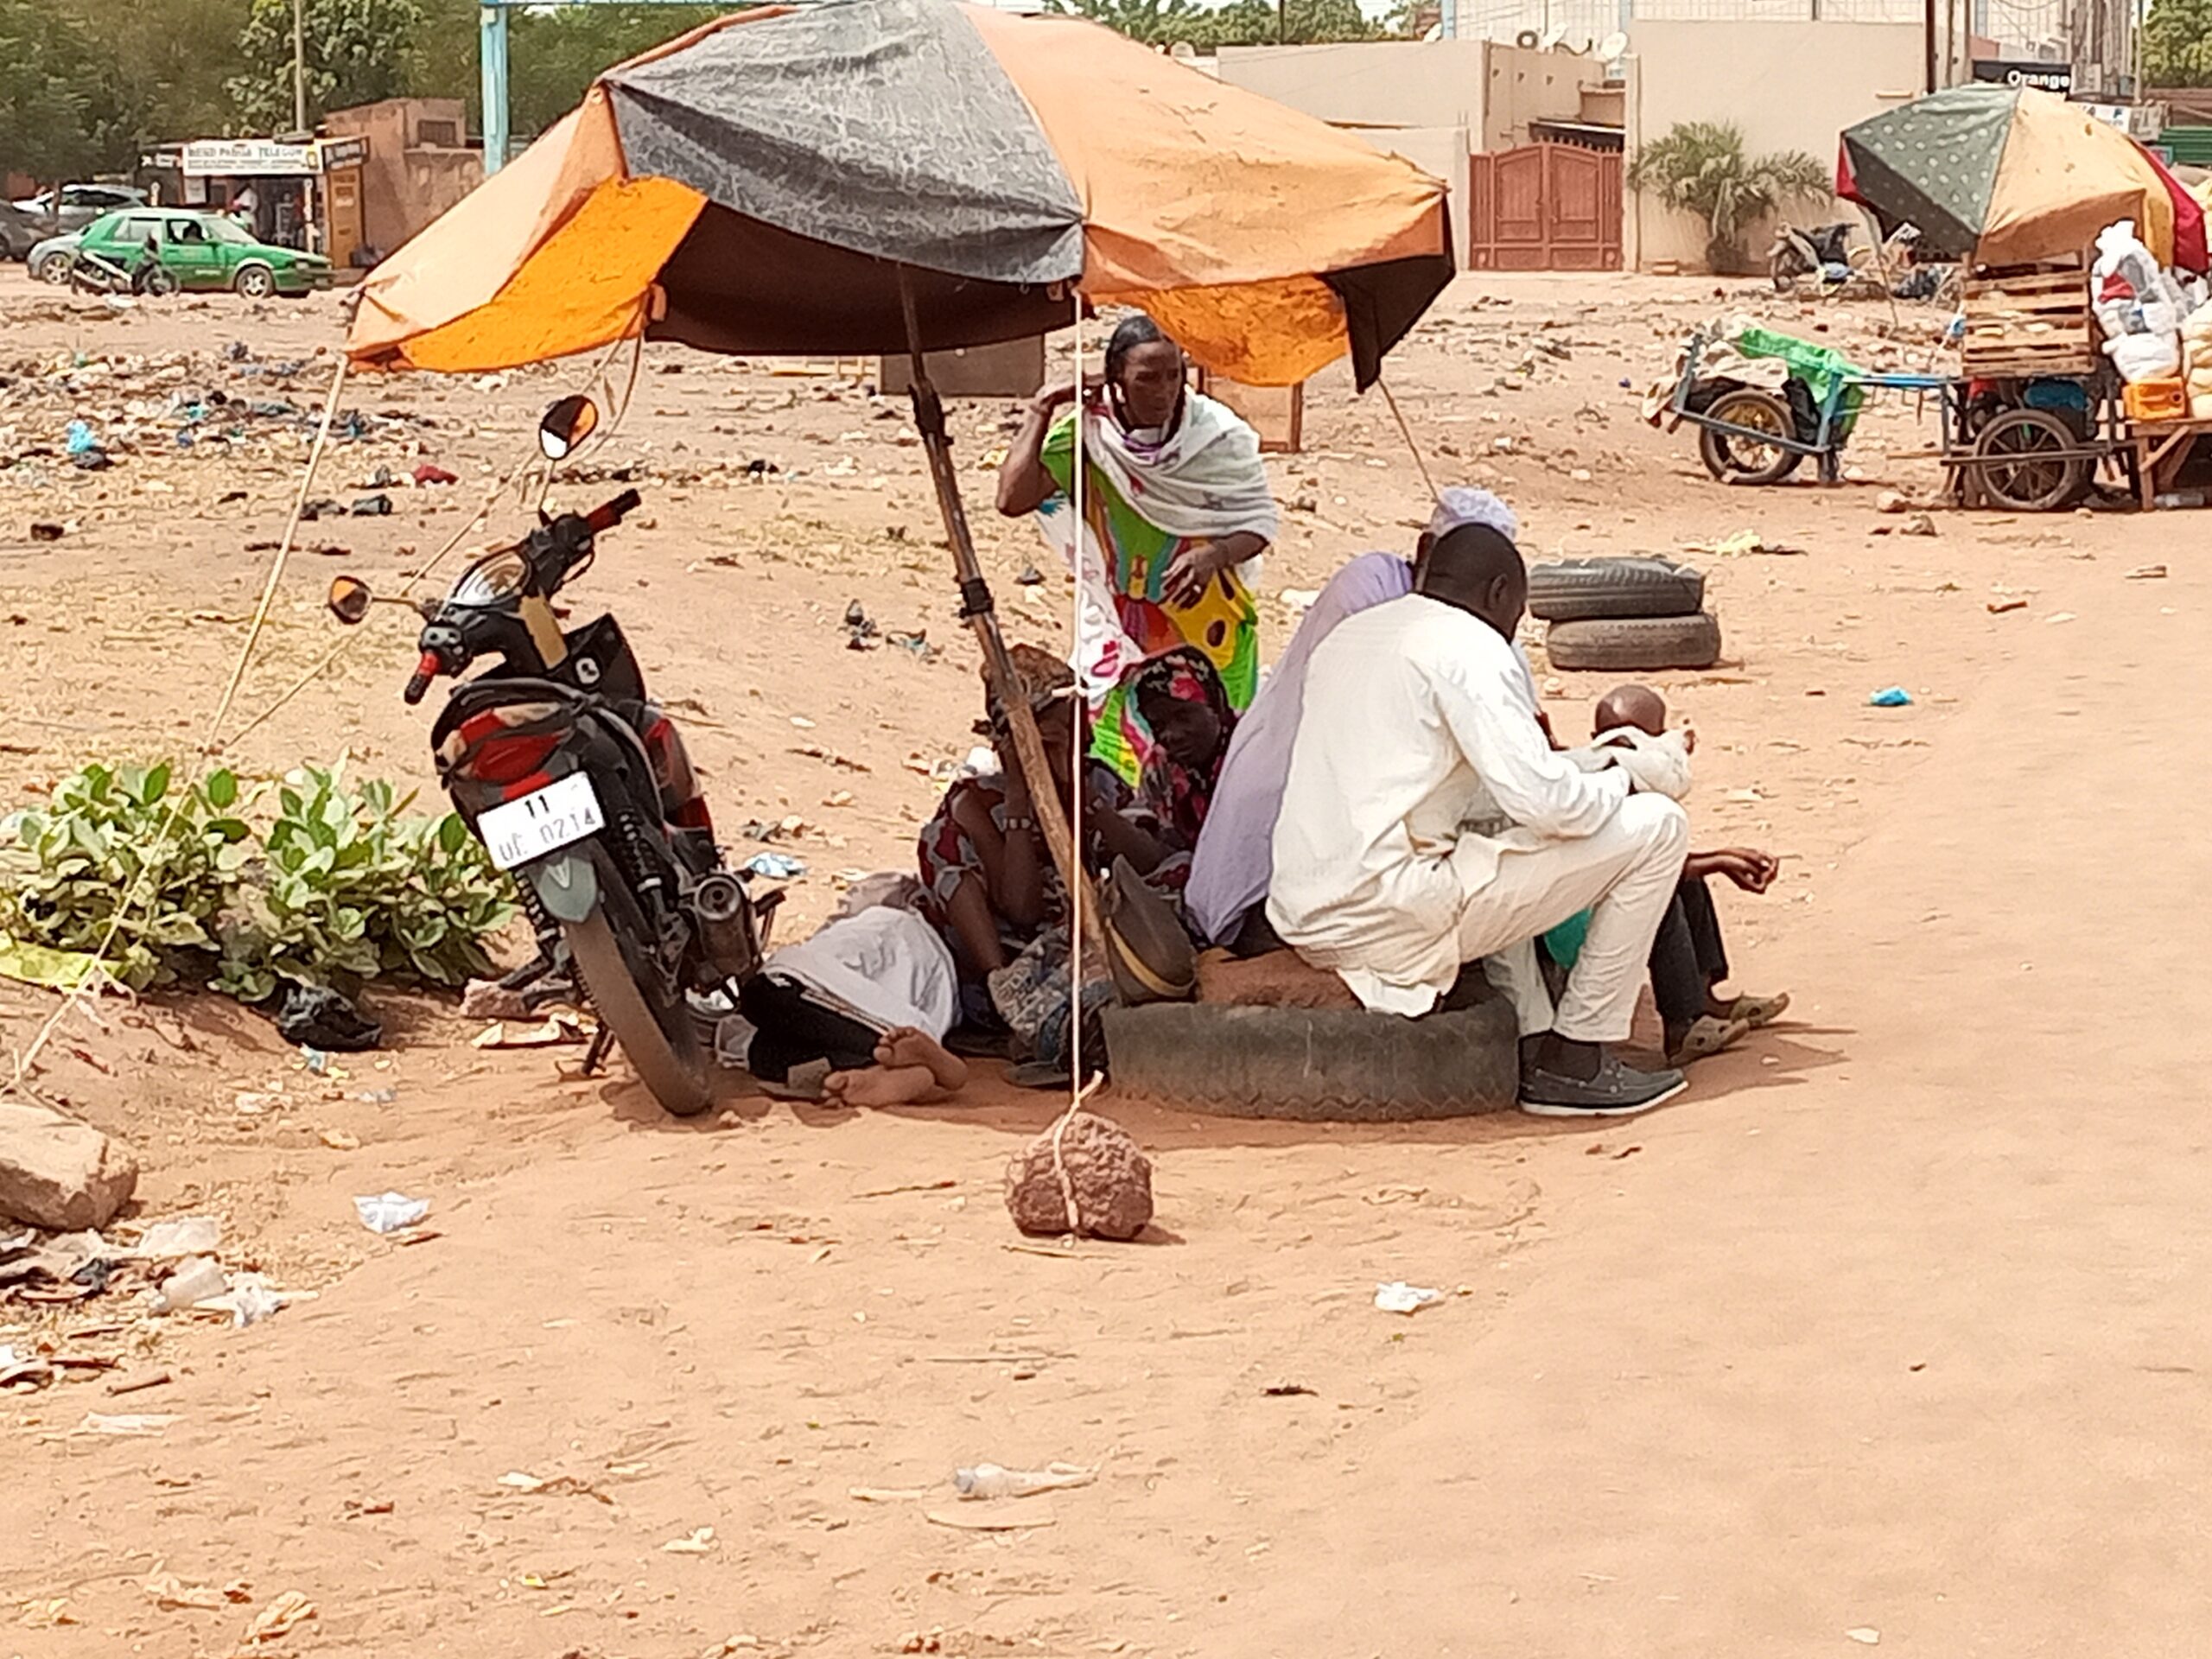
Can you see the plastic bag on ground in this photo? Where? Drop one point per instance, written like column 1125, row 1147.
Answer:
column 389, row 1212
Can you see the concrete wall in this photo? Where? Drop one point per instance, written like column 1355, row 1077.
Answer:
column 1788, row 85
column 1523, row 84
column 1368, row 84
column 1440, row 152
column 406, row 184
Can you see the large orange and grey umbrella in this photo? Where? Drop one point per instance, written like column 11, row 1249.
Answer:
column 771, row 182
column 2007, row 175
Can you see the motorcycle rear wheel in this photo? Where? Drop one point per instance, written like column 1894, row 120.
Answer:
column 659, row 1041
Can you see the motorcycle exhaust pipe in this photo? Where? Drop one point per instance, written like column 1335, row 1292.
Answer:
column 727, row 929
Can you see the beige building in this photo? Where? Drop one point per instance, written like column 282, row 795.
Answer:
column 1436, row 102
column 1786, row 85
column 419, row 164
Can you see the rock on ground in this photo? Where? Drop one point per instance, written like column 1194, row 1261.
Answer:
column 57, row 1173
column 1109, row 1178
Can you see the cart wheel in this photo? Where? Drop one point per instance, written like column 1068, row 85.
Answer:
column 1736, row 460
column 2031, row 471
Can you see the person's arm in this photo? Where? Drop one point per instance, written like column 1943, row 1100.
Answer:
column 1013, row 863
column 1753, row 871
column 1487, row 704
column 1023, row 483
column 1119, row 836
column 1183, row 582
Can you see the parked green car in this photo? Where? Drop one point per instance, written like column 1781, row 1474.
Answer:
column 204, row 250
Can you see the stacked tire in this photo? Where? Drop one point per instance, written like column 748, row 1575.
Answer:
column 1623, row 614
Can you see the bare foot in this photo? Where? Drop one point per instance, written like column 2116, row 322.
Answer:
column 904, row 1046
column 882, row 1085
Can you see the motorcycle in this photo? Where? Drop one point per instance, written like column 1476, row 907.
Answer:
column 90, row 273
column 1822, row 252
column 579, row 787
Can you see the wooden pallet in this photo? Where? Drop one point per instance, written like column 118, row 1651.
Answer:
column 2032, row 325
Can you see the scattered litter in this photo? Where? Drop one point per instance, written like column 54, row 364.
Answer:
column 488, row 999
column 1891, row 696
column 391, row 1211
column 427, row 473
column 1399, row 1297
column 1299, row 600
column 183, row 1236
column 79, row 440
column 1284, row 1390
column 2059, row 616
column 171, row 1594
column 559, row 1030
column 1919, row 523
column 131, row 1422
column 340, row 1140
column 1866, row 1634
column 276, row 1620
column 197, row 1280
column 317, row 1017
column 1031, row 576
column 774, row 866
column 989, row 1521
column 1999, row 606
column 253, row 1103
column 886, row 1494
column 249, row 1300
column 54, row 533
column 2141, row 573
column 372, row 507
column 699, row 1543
column 992, row 1480
column 1742, row 542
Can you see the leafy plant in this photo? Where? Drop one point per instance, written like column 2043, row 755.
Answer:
column 350, row 890
column 2178, row 43
column 112, row 862
column 341, row 885
column 1701, row 167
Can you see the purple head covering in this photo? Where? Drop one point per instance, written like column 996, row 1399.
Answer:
column 1235, row 860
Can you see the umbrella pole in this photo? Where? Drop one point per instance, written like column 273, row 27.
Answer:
column 978, row 610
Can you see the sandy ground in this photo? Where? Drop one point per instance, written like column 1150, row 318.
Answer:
column 1889, row 1326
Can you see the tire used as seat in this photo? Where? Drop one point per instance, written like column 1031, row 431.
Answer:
column 1574, row 590
column 1641, row 642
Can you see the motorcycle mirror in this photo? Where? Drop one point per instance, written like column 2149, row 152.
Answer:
column 350, row 600
column 567, row 425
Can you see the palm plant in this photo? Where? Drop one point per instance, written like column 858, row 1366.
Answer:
column 1701, row 167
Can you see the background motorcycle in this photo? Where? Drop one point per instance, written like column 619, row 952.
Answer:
column 579, row 787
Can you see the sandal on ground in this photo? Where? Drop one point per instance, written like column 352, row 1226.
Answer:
column 1758, row 1012
column 1707, row 1037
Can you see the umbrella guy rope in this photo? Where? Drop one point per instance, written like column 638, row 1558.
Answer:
column 137, row 892
column 1419, row 460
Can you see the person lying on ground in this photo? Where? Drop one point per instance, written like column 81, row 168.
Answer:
column 1689, row 963
column 856, row 1012
column 1176, row 513
column 1188, row 724
column 911, row 1069
column 1225, row 897
column 1426, row 822
column 988, row 878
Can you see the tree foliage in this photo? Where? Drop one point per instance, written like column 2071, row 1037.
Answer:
column 45, row 114
column 2178, row 43
column 1701, row 167
column 356, row 51
column 1240, row 22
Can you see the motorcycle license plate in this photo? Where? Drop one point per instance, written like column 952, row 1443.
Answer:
column 542, row 823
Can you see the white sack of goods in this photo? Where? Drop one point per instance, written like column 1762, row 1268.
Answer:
column 2145, row 357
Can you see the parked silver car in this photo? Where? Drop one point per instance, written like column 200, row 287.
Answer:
column 52, row 260
column 72, row 207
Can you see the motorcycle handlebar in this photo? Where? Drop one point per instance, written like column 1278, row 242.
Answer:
column 609, row 514
column 425, row 671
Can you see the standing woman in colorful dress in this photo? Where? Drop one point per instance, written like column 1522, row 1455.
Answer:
column 1176, row 513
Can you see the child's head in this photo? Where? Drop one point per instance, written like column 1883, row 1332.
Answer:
column 1631, row 705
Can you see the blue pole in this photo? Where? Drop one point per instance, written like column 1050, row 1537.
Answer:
column 493, row 48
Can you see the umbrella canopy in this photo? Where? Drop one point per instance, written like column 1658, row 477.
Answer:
column 762, row 184
column 2008, row 175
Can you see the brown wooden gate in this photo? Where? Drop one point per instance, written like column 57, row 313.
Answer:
column 1546, row 207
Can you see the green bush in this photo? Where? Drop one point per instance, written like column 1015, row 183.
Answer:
column 338, row 886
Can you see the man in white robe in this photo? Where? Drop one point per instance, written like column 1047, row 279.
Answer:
column 1427, row 823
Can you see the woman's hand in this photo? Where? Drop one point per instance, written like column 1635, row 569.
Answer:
column 1184, row 581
